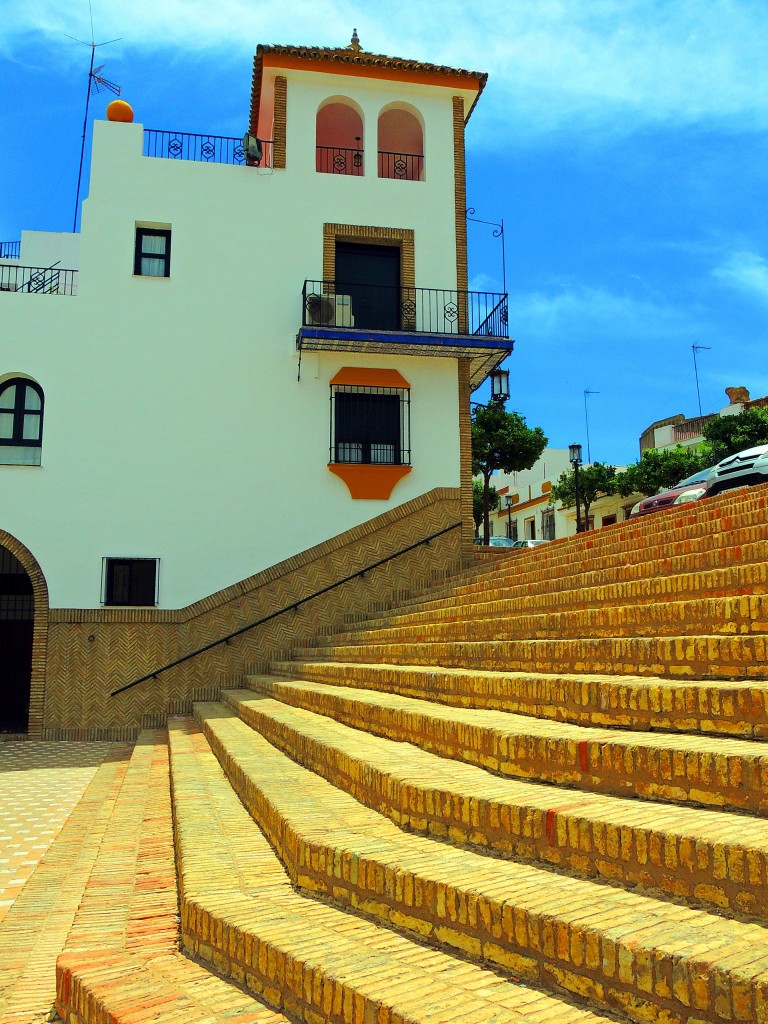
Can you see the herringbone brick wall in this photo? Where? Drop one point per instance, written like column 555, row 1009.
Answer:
column 91, row 652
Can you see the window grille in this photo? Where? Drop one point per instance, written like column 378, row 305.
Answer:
column 370, row 425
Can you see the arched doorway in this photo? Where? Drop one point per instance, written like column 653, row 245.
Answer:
column 17, row 620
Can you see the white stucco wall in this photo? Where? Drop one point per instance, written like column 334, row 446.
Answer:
column 175, row 426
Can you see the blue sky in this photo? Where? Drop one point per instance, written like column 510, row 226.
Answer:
column 622, row 142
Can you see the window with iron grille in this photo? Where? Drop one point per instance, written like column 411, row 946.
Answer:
column 130, row 581
column 370, row 425
column 21, row 422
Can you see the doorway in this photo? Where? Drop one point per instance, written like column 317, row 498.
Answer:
column 17, row 619
column 370, row 275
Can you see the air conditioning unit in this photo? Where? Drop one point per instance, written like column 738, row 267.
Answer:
column 330, row 311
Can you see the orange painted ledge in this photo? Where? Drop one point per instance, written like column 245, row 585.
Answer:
column 373, row 482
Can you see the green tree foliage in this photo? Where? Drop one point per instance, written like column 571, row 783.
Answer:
column 595, row 481
column 659, row 469
column 726, row 435
column 477, row 501
column 501, row 441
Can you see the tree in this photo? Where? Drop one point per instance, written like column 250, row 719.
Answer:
column 660, row 469
column 501, row 441
column 477, row 501
column 726, row 435
column 595, row 481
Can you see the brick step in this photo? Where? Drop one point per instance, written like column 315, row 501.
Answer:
column 36, row 926
column 709, row 771
column 121, row 961
column 698, row 657
column 241, row 911
column 526, row 573
column 719, row 616
column 650, row 958
column 717, row 858
column 712, row 707
column 512, row 599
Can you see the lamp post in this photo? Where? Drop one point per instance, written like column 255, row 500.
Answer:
column 574, row 456
column 508, row 503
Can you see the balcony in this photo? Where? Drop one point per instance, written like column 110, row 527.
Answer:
column 38, row 280
column 209, row 149
column 376, row 319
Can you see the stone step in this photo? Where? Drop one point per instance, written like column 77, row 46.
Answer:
column 709, row 771
column 241, row 911
column 662, row 575
column 516, row 598
column 721, row 616
column 652, row 959
column 732, row 708
column 686, row 657
column 714, row 857
column 121, row 961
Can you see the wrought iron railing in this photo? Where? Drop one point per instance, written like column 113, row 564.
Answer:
column 211, row 149
column 38, row 280
column 337, row 160
column 288, row 608
column 405, row 166
column 10, row 250
column 413, row 310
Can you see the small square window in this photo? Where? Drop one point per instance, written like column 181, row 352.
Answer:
column 152, row 257
column 130, row 582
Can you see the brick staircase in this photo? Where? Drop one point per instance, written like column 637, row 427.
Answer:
column 536, row 796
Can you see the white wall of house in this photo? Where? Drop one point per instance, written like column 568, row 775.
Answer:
column 175, row 425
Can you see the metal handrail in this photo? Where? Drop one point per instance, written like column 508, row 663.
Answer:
column 288, row 608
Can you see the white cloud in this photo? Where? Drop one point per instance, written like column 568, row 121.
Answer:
column 747, row 272
column 593, row 313
column 581, row 66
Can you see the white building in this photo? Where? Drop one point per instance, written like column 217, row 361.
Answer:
column 229, row 323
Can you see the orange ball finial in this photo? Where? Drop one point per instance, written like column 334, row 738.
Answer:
column 119, row 110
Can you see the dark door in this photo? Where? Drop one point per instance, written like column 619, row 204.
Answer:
column 370, row 274
column 17, row 613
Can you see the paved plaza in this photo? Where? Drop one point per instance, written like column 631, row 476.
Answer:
column 48, row 791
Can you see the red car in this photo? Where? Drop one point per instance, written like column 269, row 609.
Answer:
column 690, row 489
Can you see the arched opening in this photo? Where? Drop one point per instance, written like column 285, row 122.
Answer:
column 401, row 145
column 17, row 620
column 339, row 138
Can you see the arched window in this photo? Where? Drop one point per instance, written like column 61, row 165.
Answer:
column 401, row 144
column 339, row 138
column 21, row 422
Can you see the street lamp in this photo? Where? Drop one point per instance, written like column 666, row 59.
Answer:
column 499, row 385
column 508, row 503
column 574, row 456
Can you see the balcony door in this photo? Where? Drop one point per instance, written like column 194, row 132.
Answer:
column 370, row 275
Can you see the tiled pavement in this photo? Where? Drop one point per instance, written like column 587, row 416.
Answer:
column 48, row 791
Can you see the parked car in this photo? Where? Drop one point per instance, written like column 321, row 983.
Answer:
column 496, row 542
column 690, row 489
column 747, row 467
column 528, row 543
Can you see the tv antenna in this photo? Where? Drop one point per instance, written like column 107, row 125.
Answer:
column 96, row 84
column 588, row 391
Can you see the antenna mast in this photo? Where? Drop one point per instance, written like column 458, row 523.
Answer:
column 96, row 83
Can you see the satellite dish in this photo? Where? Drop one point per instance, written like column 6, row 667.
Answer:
column 252, row 149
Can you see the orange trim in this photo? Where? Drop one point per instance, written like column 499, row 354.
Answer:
column 329, row 67
column 369, row 377
column 372, row 482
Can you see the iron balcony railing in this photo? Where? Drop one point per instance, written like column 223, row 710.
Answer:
column 337, row 160
column 210, row 149
column 413, row 310
column 38, row 280
column 10, row 250
column 405, row 166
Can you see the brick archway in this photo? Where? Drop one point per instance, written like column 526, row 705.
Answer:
column 39, row 632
